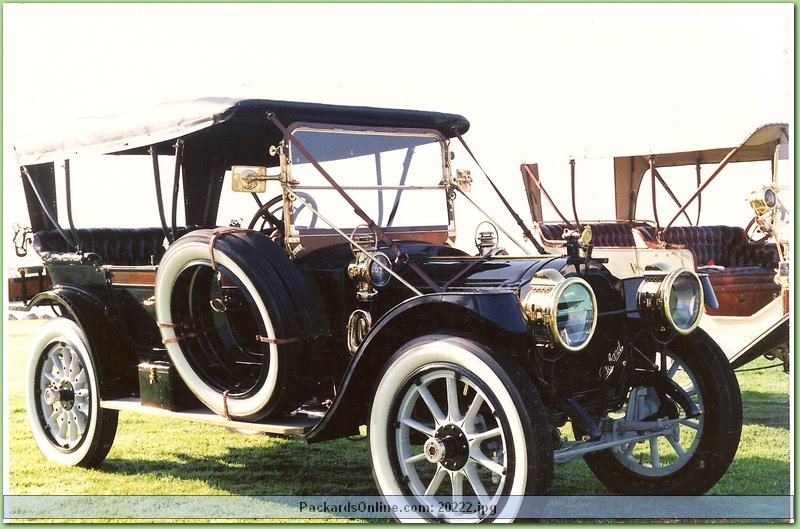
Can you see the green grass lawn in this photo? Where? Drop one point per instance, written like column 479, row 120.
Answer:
column 161, row 456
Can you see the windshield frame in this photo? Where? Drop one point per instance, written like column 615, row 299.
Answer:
column 441, row 231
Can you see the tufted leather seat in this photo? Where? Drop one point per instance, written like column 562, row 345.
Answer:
column 114, row 246
column 721, row 246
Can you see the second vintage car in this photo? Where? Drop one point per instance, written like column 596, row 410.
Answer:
column 724, row 209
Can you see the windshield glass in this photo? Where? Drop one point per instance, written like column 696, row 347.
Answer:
column 394, row 177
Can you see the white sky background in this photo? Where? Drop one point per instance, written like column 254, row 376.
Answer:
column 537, row 81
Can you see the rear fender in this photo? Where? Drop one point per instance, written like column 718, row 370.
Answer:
column 111, row 355
column 495, row 319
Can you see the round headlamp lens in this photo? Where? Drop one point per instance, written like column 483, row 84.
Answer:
column 576, row 314
column 770, row 198
column 684, row 300
column 378, row 275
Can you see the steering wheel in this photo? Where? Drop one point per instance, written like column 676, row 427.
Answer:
column 269, row 213
column 754, row 234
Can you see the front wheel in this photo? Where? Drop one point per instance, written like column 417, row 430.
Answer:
column 693, row 454
column 456, row 433
column 62, row 397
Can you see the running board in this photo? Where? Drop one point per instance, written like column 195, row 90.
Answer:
column 286, row 426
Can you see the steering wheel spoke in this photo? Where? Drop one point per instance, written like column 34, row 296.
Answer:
column 271, row 213
column 754, row 234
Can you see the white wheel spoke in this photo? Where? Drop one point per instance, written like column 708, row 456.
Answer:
column 80, row 378
column 694, row 424
column 432, row 405
column 487, row 463
column 471, row 472
column 479, row 437
column 79, row 420
column 412, row 460
column 436, row 482
column 655, row 458
column 628, row 449
column 81, row 404
column 453, row 411
column 472, row 411
column 676, row 445
column 67, row 357
column 53, row 417
column 63, row 427
column 419, row 426
column 55, row 359
column 75, row 367
column 457, row 485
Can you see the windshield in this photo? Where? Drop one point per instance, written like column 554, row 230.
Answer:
column 394, row 177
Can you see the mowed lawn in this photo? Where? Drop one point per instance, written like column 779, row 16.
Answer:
column 160, row 456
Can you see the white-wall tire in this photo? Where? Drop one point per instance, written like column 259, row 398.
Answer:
column 489, row 436
column 63, row 400
column 199, row 336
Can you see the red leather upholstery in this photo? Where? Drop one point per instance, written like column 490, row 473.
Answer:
column 722, row 246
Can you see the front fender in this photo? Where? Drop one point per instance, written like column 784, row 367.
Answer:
column 493, row 317
column 111, row 355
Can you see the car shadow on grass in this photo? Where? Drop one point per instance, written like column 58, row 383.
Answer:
column 291, row 468
column 770, row 409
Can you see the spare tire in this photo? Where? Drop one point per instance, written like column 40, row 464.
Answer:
column 236, row 318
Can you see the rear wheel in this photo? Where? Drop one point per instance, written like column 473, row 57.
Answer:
column 693, row 454
column 62, row 397
column 456, row 433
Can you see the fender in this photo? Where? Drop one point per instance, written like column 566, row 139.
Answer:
column 110, row 353
column 496, row 318
column 776, row 337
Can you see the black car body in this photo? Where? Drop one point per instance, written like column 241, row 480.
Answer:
column 345, row 302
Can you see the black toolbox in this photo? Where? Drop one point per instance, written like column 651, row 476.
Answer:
column 161, row 387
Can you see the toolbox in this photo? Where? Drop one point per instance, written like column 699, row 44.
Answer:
column 161, row 387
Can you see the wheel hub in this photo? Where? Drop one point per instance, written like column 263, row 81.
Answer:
column 64, row 394
column 449, row 447
column 435, row 450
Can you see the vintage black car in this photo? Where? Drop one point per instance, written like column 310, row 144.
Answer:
column 302, row 277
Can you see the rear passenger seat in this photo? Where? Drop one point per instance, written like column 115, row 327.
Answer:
column 114, row 246
column 717, row 247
